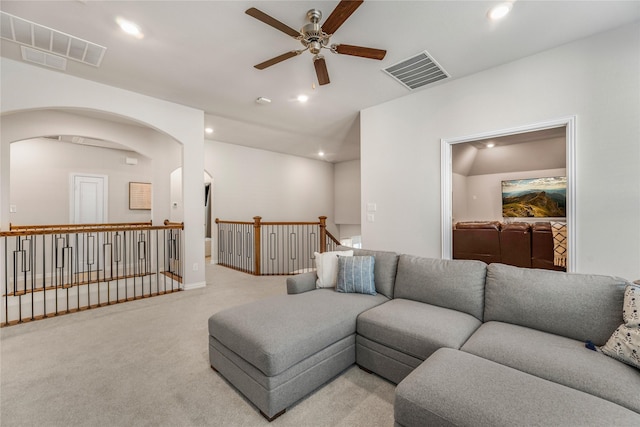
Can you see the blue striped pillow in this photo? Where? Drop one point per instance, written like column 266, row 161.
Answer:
column 355, row 275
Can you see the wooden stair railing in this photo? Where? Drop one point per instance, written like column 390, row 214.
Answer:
column 272, row 248
column 54, row 269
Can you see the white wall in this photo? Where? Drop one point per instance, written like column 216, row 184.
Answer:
column 248, row 182
column 347, row 192
column 40, row 171
column 459, row 199
column 595, row 79
column 483, row 194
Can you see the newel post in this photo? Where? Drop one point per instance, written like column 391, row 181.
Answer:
column 323, row 234
column 256, row 245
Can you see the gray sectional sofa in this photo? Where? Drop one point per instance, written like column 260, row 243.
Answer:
column 467, row 344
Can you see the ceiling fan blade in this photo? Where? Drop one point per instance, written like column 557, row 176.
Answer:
column 279, row 58
column 321, row 70
column 341, row 13
column 261, row 16
column 364, row 52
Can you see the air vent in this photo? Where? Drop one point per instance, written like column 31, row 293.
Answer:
column 43, row 58
column 417, row 71
column 53, row 42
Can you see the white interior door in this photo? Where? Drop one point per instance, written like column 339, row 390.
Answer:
column 89, row 195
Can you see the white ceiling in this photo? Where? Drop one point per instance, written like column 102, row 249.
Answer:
column 201, row 54
column 529, row 151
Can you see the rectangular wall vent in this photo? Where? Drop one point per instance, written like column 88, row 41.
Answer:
column 43, row 58
column 48, row 40
column 417, row 71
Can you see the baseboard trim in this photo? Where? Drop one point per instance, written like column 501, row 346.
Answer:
column 192, row 286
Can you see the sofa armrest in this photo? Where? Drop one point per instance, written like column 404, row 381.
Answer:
column 301, row 283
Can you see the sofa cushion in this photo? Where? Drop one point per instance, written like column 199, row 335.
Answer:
column 275, row 333
column 355, row 274
column 303, row 282
column 579, row 306
column 454, row 284
column 386, row 362
column 327, row 267
column 415, row 328
column 558, row 359
column 385, row 268
column 454, row 388
column 624, row 344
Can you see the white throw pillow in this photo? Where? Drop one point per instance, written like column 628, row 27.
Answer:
column 624, row 344
column 327, row 267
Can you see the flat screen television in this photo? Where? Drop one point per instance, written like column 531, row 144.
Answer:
column 535, row 197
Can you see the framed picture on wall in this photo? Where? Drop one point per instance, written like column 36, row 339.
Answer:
column 140, row 196
column 535, row 197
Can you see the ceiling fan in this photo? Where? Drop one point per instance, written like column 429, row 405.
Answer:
column 315, row 37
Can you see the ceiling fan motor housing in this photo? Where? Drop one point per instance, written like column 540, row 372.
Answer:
column 312, row 35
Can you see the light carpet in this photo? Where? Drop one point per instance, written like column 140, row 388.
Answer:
column 146, row 363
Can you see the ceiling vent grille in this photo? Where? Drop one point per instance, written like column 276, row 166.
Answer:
column 43, row 58
column 417, row 71
column 48, row 40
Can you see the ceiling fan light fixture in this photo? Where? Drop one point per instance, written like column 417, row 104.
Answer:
column 315, row 47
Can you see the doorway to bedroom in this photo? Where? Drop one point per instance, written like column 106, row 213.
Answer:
column 478, row 174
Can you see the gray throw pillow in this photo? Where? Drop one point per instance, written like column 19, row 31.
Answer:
column 355, row 275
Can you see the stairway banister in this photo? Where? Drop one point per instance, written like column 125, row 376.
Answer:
column 286, row 246
column 85, row 228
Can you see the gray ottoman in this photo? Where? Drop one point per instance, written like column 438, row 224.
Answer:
column 454, row 388
column 278, row 350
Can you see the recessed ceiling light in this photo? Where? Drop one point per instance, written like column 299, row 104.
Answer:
column 303, row 98
column 499, row 11
column 490, row 145
column 208, row 130
column 321, row 153
column 263, row 101
column 130, row 28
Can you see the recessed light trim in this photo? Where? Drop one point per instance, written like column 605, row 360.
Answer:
column 130, row 27
column 208, row 130
column 303, row 98
column 490, row 144
column 499, row 11
column 321, row 153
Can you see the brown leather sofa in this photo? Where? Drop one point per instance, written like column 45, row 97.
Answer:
column 519, row 243
column 477, row 240
column 515, row 244
column 542, row 247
